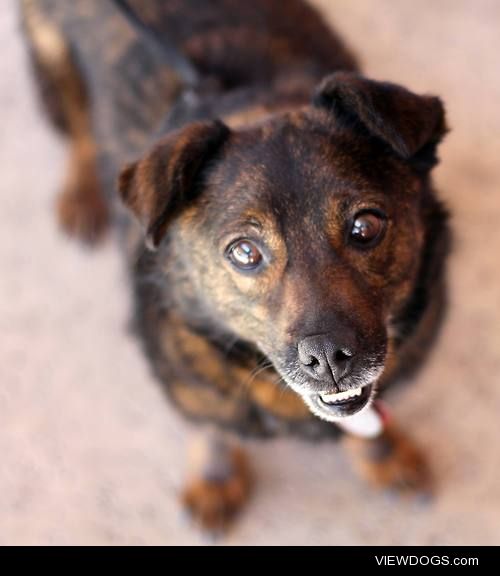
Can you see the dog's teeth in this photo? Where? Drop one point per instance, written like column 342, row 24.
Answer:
column 332, row 398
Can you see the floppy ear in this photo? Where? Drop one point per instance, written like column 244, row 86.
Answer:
column 158, row 185
column 410, row 124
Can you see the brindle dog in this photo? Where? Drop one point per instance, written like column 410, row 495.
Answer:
column 293, row 256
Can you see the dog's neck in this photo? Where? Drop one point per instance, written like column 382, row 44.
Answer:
column 244, row 105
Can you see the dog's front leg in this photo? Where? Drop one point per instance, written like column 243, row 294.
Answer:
column 386, row 457
column 219, row 481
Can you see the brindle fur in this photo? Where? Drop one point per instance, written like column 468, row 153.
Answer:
column 275, row 164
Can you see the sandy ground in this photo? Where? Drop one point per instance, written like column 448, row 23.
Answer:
column 91, row 453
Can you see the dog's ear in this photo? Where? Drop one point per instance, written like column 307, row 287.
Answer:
column 156, row 187
column 410, row 124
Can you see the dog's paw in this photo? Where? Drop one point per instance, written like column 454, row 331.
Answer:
column 213, row 503
column 392, row 462
column 83, row 213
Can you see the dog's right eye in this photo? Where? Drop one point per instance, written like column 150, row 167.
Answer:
column 244, row 255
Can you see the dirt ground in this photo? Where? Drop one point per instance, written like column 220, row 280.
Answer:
column 92, row 454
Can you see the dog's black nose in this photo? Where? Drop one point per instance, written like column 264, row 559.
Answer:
column 326, row 359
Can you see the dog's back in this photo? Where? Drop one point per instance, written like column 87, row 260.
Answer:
column 132, row 57
column 241, row 43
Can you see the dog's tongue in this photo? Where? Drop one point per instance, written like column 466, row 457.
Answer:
column 368, row 423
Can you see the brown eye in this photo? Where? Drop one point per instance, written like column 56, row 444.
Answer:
column 244, row 255
column 367, row 228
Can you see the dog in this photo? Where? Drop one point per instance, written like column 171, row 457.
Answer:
column 285, row 243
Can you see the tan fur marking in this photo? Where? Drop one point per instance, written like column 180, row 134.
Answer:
column 47, row 40
column 281, row 402
column 246, row 116
column 204, row 402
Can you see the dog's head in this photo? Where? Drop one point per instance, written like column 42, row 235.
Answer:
column 302, row 234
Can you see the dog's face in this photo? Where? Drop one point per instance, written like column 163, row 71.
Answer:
column 303, row 233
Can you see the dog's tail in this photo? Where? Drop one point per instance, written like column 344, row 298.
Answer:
column 53, row 64
column 55, row 68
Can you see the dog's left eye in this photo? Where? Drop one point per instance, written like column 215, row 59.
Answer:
column 367, row 228
column 244, row 254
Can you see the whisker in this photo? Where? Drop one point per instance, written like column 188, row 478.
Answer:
column 261, row 367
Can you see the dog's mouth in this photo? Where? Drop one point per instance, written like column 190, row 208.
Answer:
column 335, row 406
